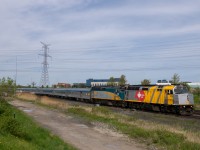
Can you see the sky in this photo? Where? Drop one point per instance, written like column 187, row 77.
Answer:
column 99, row 39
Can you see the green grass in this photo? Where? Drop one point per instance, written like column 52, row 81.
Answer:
column 20, row 132
column 162, row 137
column 159, row 137
column 197, row 101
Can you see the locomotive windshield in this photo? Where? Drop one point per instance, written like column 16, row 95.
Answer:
column 180, row 89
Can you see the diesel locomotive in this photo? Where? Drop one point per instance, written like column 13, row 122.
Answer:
column 161, row 98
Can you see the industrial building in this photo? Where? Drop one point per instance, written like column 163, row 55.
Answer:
column 100, row 82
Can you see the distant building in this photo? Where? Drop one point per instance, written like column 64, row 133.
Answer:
column 100, row 82
column 62, row 85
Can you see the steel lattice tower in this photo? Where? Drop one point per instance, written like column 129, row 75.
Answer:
column 44, row 81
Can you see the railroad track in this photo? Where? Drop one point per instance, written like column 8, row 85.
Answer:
column 195, row 116
column 197, row 112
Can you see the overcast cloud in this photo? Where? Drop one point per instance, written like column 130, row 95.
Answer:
column 99, row 39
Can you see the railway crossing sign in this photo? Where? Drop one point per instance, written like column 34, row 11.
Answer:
column 140, row 95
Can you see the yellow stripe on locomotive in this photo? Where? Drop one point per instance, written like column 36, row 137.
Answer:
column 105, row 95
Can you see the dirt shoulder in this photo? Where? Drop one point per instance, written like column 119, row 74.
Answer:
column 80, row 134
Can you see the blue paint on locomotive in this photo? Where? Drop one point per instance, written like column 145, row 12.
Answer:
column 114, row 90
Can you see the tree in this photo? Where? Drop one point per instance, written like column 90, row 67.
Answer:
column 122, row 80
column 175, row 79
column 145, row 82
column 7, row 86
column 111, row 81
column 33, row 84
column 197, row 91
column 187, row 86
column 79, row 85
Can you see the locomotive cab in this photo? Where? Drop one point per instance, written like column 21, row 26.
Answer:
column 183, row 99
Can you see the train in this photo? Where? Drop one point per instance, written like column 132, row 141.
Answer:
column 159, row 98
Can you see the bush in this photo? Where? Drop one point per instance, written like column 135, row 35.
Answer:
column 7, row 86
column 196, row 99
column 12, row 126
column 22, row 133
column 8, row 123
column 4, row 109
column 196, row 91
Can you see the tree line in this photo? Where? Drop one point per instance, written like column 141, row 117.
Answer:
column 8, row 85
column 175, row 79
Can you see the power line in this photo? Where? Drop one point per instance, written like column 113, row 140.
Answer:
column 159, row 44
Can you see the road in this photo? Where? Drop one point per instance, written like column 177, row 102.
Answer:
column 80, row 134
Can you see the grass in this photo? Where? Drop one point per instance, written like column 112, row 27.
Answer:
column 160, row 137
column 165, row 131
column 197, row 101
column 18, row 131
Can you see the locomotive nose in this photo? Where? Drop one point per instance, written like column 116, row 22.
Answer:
column 183, row 99
column 190, row 99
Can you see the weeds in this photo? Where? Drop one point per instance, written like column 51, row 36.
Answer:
column 22, row 133
column 101, row 110
column 166, row 131
column 160, row 137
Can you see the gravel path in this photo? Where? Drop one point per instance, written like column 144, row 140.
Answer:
column 78, row 133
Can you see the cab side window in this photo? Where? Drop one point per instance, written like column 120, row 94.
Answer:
column 169, row 91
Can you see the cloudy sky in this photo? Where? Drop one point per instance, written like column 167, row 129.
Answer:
column 150, row 39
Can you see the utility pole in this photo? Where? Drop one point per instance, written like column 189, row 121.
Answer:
column 15, row 78
column 44, row 81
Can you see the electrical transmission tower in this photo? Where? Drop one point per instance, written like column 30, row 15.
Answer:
column 44, row 81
